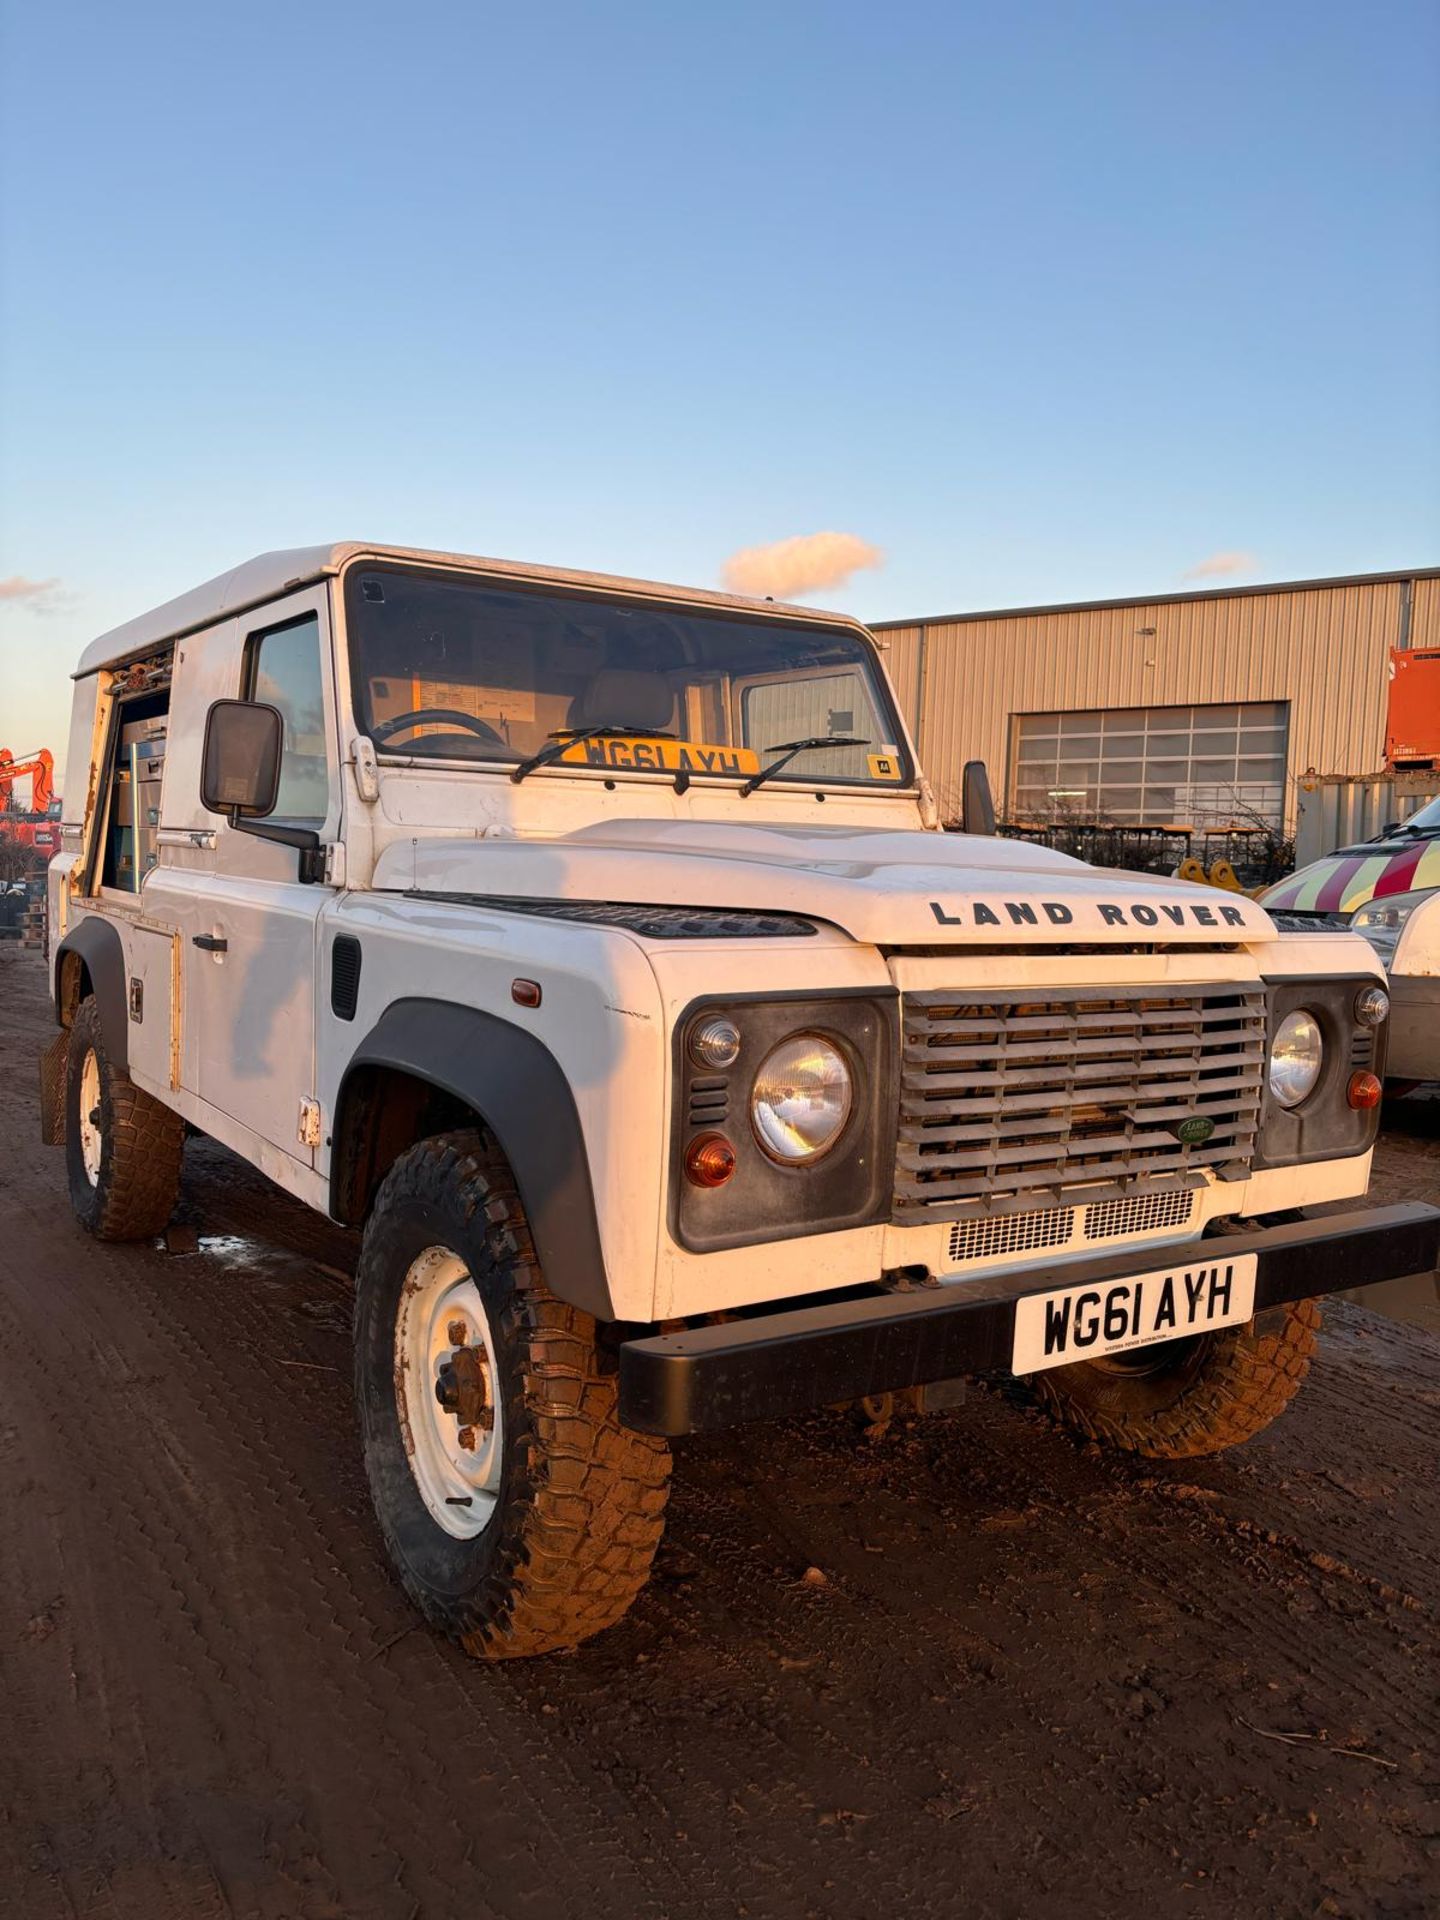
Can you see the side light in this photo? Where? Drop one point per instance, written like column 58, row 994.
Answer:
column 709, row 1160
column 715, row 1043
column 1364, row 1091
column 1372, row 1006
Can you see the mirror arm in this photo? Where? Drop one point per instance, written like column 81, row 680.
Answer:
column 305, row 839
column 977, row 805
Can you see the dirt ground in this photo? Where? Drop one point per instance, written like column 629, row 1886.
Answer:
column 1036, row 1680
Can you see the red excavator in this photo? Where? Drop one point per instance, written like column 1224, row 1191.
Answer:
column 29, row 830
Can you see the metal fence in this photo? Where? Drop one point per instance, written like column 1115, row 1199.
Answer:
column 1258, row 858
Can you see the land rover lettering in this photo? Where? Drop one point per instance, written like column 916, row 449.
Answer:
column 1141, row 914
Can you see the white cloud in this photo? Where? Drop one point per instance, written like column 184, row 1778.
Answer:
column 1222, row 566
column 803, row 564
column 39, row 596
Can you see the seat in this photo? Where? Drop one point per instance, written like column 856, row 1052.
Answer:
column 624, row 697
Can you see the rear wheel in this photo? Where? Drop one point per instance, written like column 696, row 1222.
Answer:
column 123, row 1148
column 1187, row 1397
column 520, row 1515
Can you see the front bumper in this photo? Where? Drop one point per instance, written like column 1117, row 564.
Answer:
column 801, row 1357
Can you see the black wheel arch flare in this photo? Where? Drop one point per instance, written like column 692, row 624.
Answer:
column 510, row 1079
column 97, row 944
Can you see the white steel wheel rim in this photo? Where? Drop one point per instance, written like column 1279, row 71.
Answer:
column 92, row 1140
column 459, row 1483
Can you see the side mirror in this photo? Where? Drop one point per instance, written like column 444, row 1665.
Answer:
column 977, row 803
column 240, row 767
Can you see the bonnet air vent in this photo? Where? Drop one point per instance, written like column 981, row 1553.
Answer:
column 344, row 976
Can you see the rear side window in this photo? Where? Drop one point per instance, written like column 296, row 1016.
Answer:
column 285, row 670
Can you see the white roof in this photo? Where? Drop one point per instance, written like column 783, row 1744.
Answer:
column 269, row 575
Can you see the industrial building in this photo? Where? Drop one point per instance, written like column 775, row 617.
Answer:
column 1195, row 711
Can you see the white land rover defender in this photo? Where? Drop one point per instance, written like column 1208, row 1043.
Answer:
column 593, row 947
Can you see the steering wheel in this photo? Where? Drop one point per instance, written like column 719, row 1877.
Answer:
column 421, row 716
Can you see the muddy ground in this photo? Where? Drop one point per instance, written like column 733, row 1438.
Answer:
column 1037, row 1680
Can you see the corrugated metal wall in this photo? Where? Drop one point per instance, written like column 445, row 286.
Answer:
column 901, row 647
column 1425, row 612
column 1324, row 649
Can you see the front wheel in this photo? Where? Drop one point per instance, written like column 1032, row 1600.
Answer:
column 519, row 1514
column 1185, row 1397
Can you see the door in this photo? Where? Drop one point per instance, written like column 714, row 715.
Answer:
column 251, row 923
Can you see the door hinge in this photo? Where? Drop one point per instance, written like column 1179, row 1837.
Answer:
column 308, row 1131
column 367, row 770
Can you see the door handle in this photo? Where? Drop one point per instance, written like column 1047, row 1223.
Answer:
column 210, row 942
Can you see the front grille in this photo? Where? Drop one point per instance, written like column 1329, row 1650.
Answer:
column 1042, row 1099
column 989, row 1236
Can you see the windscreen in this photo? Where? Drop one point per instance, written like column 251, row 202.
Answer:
column 456, row 668
column 1426, row 819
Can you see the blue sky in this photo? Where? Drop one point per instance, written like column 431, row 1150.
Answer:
column 1042, row 301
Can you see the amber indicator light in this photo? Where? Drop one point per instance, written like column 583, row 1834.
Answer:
column 525, row 993
column 709, row 1160
column 1364, row 1091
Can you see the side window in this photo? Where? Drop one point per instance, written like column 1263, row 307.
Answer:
column 284, row 668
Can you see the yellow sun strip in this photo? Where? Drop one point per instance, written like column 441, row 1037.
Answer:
column 637, row 754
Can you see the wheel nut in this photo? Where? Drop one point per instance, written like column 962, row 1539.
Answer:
column 467, row 1439
column 456, row 1333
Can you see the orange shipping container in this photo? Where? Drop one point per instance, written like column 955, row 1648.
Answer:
column 1412, row 733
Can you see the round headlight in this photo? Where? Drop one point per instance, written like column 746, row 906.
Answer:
column 1296, row 1054
column 801, row 1099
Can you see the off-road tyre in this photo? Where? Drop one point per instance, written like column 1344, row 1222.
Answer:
column 142, row 1142
column 581, row 1501
column 1204, row 1394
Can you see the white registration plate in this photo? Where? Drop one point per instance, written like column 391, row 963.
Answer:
column 1112, row 1316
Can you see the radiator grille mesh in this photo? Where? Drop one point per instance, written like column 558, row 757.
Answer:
column 990, row 1237
column 1042, row 1099
column 1011, row 1233
column 1142, row 1213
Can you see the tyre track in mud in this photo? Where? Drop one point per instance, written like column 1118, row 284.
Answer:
column 1020, row 1688
column 416, row 1726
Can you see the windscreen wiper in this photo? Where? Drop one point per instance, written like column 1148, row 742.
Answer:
column 1398, row 827
column 787, row 750
column 564, row 738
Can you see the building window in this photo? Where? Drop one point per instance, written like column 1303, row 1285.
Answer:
column 1197, row 768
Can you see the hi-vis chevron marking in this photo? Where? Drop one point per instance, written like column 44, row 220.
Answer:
column 1346, row 881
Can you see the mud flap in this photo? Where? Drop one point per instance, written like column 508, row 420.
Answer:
column 52, row 1090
